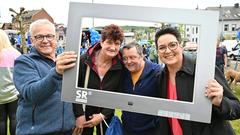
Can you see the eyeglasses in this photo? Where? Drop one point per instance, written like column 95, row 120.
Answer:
column 132, row 58
column 49, row 37
column 171, row 46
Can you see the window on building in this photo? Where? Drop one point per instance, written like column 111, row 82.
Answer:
column 234, row 27
column 226, row 27
column 196, row 30
column 196, row 40
column 192, row 39
column 192, row 30
column 187, row 29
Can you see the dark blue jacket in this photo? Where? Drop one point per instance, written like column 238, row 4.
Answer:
column 137, row 123
column 40, row 109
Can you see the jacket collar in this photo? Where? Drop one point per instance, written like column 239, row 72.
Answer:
column 34, row 53
column 94, row 48
column 149, row 68
column 189, row 64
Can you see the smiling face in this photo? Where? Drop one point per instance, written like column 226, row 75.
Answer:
column 132, row 60
column 43, row 39
column 172, row 56
column 110, row 48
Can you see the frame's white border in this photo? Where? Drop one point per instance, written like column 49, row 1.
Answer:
column 208, row 22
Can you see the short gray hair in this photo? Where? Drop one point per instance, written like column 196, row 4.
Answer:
column 41, row 22
column 134, row 44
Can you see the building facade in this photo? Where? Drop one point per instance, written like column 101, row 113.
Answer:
column 229, row 20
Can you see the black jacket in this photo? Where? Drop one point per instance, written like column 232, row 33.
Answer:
column 229, row 109
column 112, row 81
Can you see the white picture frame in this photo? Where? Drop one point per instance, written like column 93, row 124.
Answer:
column 198, row 110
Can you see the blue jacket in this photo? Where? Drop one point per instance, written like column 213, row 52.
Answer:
column 40, row 109
column 137, row 123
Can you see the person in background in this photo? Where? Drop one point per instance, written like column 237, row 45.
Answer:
column 38, row 78
column 83, row 49
column 221, row 57
column 59, row 50
column 12, row 40
column 19, row 48
column 8, row 92
column 153, row 54
column 176, row 82
column 85, row 41
column 146, row 51
column 226, row 58
column 106, row 73
column 140, row 79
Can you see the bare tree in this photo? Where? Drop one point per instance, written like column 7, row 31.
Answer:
column 20, row 25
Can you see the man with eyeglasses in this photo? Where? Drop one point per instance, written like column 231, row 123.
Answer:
column 140, row 79
column 38, row 78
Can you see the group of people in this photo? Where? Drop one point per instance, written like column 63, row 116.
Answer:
column 37, row 77
column 150, row 52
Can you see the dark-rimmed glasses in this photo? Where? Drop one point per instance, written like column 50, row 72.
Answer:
column 171, row 46
column 49, row 37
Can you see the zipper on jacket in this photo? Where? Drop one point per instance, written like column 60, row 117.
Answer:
column 101, row 88
column 101, row 84
column 33, row 114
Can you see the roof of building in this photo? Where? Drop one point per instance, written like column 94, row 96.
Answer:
column 6, row 26
column 227, row 12
column 30, row 13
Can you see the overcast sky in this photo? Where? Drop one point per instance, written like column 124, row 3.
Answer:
column 58, row 9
